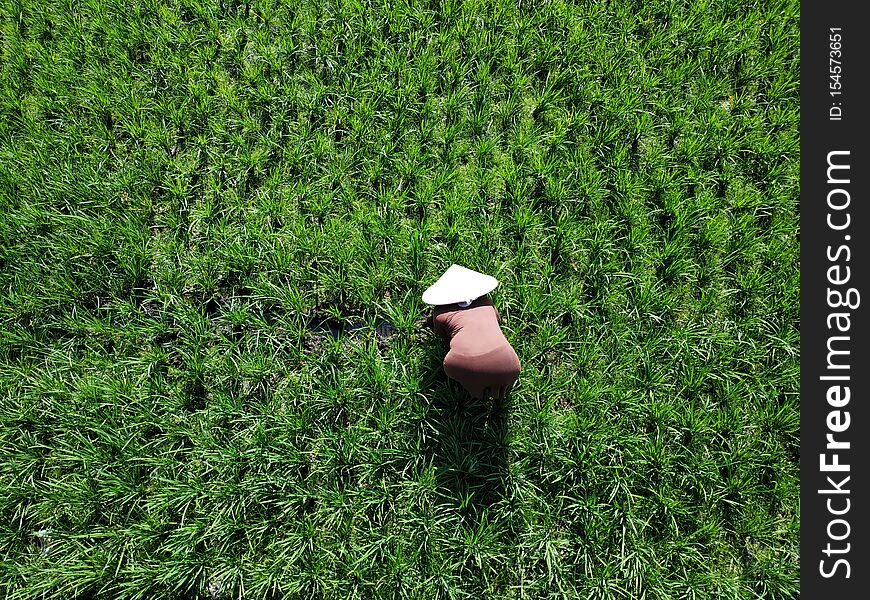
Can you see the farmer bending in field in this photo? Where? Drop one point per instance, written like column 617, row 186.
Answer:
column 480, row 357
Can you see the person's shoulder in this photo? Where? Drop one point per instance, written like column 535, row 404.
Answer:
column 485, row 301
column 482, row 301
column 443, row 309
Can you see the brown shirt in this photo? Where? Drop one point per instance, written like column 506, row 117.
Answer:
column 480, row 357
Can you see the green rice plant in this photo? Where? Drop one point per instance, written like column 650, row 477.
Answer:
column 218, row 217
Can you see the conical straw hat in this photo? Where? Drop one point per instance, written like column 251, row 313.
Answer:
column 458, row 284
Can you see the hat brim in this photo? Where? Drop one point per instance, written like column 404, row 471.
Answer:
column 459, row 284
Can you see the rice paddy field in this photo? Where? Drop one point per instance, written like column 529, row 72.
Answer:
column 216, row 221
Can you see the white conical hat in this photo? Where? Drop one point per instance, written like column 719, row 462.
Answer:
column 458, row 284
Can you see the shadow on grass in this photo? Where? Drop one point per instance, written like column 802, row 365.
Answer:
column 468, row 447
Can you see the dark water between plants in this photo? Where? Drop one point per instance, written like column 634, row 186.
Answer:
column 335, row 328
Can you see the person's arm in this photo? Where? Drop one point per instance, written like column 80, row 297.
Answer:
column 438, row 325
